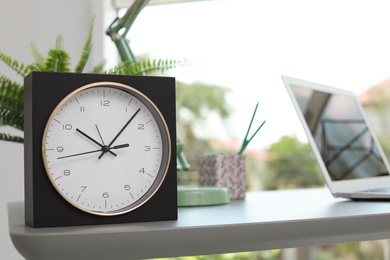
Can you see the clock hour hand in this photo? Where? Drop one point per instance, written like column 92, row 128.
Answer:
column 120, row 146
column 94, row 141
column 95, row 151
column 120, row 132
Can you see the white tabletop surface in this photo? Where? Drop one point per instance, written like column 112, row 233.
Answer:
column 263, row 220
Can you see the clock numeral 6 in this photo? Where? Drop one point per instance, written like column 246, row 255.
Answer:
column 105, row 195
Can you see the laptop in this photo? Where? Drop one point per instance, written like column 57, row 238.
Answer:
column 349, row 155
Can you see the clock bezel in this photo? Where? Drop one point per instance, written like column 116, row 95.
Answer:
column 166, row 145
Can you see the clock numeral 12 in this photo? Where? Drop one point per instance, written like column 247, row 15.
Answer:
column 105, row 103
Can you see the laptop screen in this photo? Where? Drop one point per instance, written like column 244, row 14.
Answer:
column 340, row 133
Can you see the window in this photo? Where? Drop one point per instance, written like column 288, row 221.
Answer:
column 246, row 45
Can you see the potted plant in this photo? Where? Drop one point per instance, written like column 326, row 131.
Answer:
column 58, row 60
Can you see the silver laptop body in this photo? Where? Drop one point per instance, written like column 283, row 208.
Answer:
column 348, row 153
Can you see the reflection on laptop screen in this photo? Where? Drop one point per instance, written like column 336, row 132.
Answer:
column 341, row 134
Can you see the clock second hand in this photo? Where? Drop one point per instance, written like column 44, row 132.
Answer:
column 101, row 138
column 94, row 151
column 94, row 141
column 119, row 133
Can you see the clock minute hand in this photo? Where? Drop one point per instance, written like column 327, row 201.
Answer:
column 124, row 127
column 120, row 132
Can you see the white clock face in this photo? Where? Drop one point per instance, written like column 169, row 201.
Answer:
column 106, row 148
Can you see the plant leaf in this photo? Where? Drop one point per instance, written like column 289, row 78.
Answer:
column 11, row 138
column 146, row 66
column 99, row 68
column 58, row 60
column 20, row 69
column 86, row 50
column 39, row 64
column 11, row 103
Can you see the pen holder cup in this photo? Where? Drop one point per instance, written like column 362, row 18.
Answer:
column 224, row 170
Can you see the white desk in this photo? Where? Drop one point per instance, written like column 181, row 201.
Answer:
column 264, row 220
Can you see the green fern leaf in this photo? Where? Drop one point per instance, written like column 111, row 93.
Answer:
column 86, row 51
column 11, row 118
column 119, row 69
column 146, row 66
column 36, row 67
column 11, row 94
column 11, row 103
column 58, row 61
column 20, row 69
column 161, row 65
column 99, row 68
column 11, row 138
column 59, row 42
column 39, row 64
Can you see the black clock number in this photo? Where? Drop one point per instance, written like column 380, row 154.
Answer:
column 141, row 127
column 105, row 103
column 67, row 126
column 105, row 195
column 147, row 148
column 127, row 187
column 60, row 149
column 66, row 172
column 83, row 188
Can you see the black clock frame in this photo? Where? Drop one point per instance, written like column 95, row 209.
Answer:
column 44, row 206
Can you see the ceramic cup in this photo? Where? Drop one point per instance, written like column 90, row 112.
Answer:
column 224, row 170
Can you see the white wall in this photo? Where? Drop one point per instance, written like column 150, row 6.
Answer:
column 39, row 21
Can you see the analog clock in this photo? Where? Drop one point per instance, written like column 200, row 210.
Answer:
column 106, row 148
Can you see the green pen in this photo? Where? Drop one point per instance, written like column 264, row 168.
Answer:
column 246, row 140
